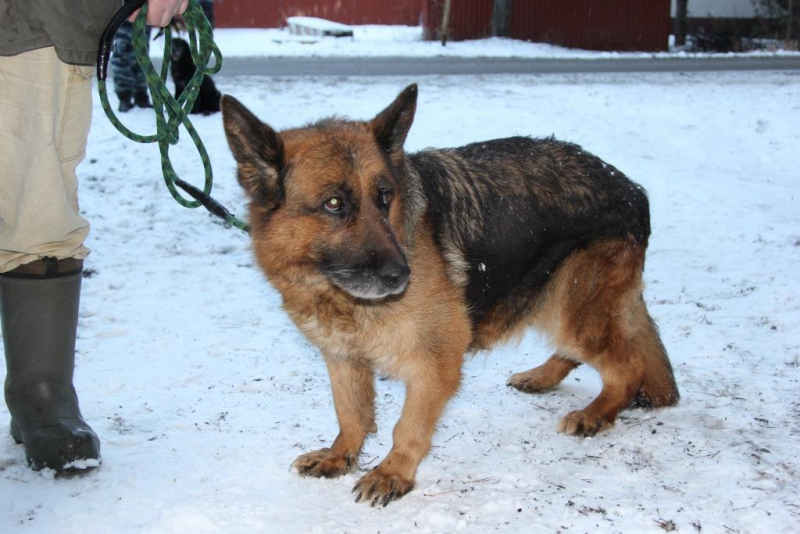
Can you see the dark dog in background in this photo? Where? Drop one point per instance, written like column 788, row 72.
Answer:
column 401, row 264
column 182, row 69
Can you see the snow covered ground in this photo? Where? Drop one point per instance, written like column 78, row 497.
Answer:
column 406, row 41
column 203, row 392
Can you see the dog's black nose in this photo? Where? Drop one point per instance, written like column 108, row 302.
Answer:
column 394, row 275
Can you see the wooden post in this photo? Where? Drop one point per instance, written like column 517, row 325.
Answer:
column 681, row 9
column 445, row 22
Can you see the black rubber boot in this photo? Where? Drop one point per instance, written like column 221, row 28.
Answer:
column 142, row 99
column 125, row 101
column 39, row 308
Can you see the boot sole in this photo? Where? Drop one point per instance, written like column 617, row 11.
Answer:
column 71, row 470
column 16, row 435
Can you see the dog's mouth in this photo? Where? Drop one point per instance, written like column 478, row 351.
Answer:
column 371, row 284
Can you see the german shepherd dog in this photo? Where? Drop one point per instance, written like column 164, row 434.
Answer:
column 402, row 263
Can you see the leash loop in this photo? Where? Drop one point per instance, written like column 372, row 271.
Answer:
column 170, row 113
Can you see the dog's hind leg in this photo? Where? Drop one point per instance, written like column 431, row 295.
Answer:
column 354, row 400
column 635, row 371
column 658, row 386
column 546, row 376
column 621, row 380
column 603, row 321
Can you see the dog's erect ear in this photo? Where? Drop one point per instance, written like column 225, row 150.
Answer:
column 257, row 149
column 391, row 125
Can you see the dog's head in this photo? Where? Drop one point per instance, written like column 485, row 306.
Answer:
column 329, row 201
column 180, row 50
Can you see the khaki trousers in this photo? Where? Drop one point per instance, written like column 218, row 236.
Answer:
column 45, row 114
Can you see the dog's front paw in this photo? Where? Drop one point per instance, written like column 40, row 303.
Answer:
column 381, row 487
column 324, row 463
column 583, row 424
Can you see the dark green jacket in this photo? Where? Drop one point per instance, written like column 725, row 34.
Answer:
column 74, row 27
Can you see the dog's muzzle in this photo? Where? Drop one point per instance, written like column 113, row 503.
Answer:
column 391, row 278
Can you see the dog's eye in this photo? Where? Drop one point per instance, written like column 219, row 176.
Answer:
column 334, row 205
column 385, row 198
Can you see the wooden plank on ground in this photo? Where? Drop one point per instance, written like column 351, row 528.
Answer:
column 317, row 26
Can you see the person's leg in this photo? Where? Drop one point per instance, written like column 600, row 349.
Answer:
column 124, row 66
column 46, row 109
column 141, row 96
column 39, row 309
column 130, row 82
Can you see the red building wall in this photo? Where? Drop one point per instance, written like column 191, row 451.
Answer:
column 273, row 13
column 469, row 19
column 588, row 24
column 594, row 24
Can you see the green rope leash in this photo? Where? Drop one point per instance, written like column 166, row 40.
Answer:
column 170, row 113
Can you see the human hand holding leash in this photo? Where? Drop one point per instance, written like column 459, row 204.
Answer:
column 160, row 12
